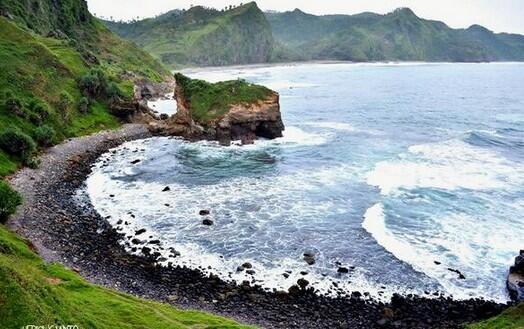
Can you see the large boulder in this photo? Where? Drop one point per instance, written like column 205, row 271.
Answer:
column 515, row 282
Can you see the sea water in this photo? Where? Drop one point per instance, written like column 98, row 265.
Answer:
column 398, row 172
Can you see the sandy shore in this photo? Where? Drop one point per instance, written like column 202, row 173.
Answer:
column 65, row 228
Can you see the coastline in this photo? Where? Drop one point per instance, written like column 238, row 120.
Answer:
column 65, row 228
column 199, row 69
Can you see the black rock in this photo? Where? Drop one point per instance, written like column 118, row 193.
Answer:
column 135, row 161
column 141, row 231
column 207, row 222
column 154, row 242
column 166, row 189
column 309, row 258
column 252, row 272
column 343, row 270
column 302, row 283
column 204, row 212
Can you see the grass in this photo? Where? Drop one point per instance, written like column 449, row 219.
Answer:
column 512, row 318
column 32, row 292
column 210, row 101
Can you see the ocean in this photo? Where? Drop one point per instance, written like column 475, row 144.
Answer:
column 404, row 174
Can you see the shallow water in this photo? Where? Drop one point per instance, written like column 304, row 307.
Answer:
column 166, row 105
column 386, row 169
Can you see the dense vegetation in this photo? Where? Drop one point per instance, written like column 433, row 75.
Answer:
column 32, row 292
column 209, row 101
column 202, row 36
column 399, row 35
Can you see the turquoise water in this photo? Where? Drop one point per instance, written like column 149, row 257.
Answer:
column 396, row 171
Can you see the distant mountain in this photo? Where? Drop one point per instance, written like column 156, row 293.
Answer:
column 399, row 35
column 201, row 36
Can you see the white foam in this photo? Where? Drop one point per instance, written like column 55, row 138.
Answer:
column 449, row 165
column 458, row 241
column 279, row 199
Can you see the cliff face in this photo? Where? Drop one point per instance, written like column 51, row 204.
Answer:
column 242, row 121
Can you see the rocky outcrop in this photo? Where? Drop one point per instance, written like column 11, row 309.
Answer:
column 515, row 282
column 242, row 122
column 137, row 110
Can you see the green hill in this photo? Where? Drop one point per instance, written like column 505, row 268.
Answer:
column 46, row 49
column 202, row 36
column 399, row 35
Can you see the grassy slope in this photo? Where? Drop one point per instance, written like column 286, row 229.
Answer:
column 202, row 36
column 512, row 318
column 210, row 101
column 37, row 68
column 32, row 292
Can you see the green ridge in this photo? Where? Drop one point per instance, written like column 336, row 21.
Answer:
column 202, row 36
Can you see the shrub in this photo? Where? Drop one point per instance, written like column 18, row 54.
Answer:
column 9, row 200
column 94, row 83
column 113, row 92
column 13, row 104
column 39, row 108
column 64, row 105
column 17, row 143
column 33, row 118
column 65, row 101
column 44, row 135
column 83, row 105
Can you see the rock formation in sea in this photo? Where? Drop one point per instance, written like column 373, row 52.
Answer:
column 515, row 280
column 242, row 120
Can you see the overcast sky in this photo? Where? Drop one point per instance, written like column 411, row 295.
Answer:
column 497, row 15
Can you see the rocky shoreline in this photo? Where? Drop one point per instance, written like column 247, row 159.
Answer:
column 64, row 227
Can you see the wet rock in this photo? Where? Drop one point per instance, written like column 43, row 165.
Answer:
column 135, row 161
column 155, row 242
column 515, row 280
column 207, row 222
column 247, row 265
column 204, row 212
column 166, row 189
column 460, row 275
column 302, row 283
column 251, row 272
column 343, row 270
column 137, row 241
column 141, row 231
column 309, row 258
